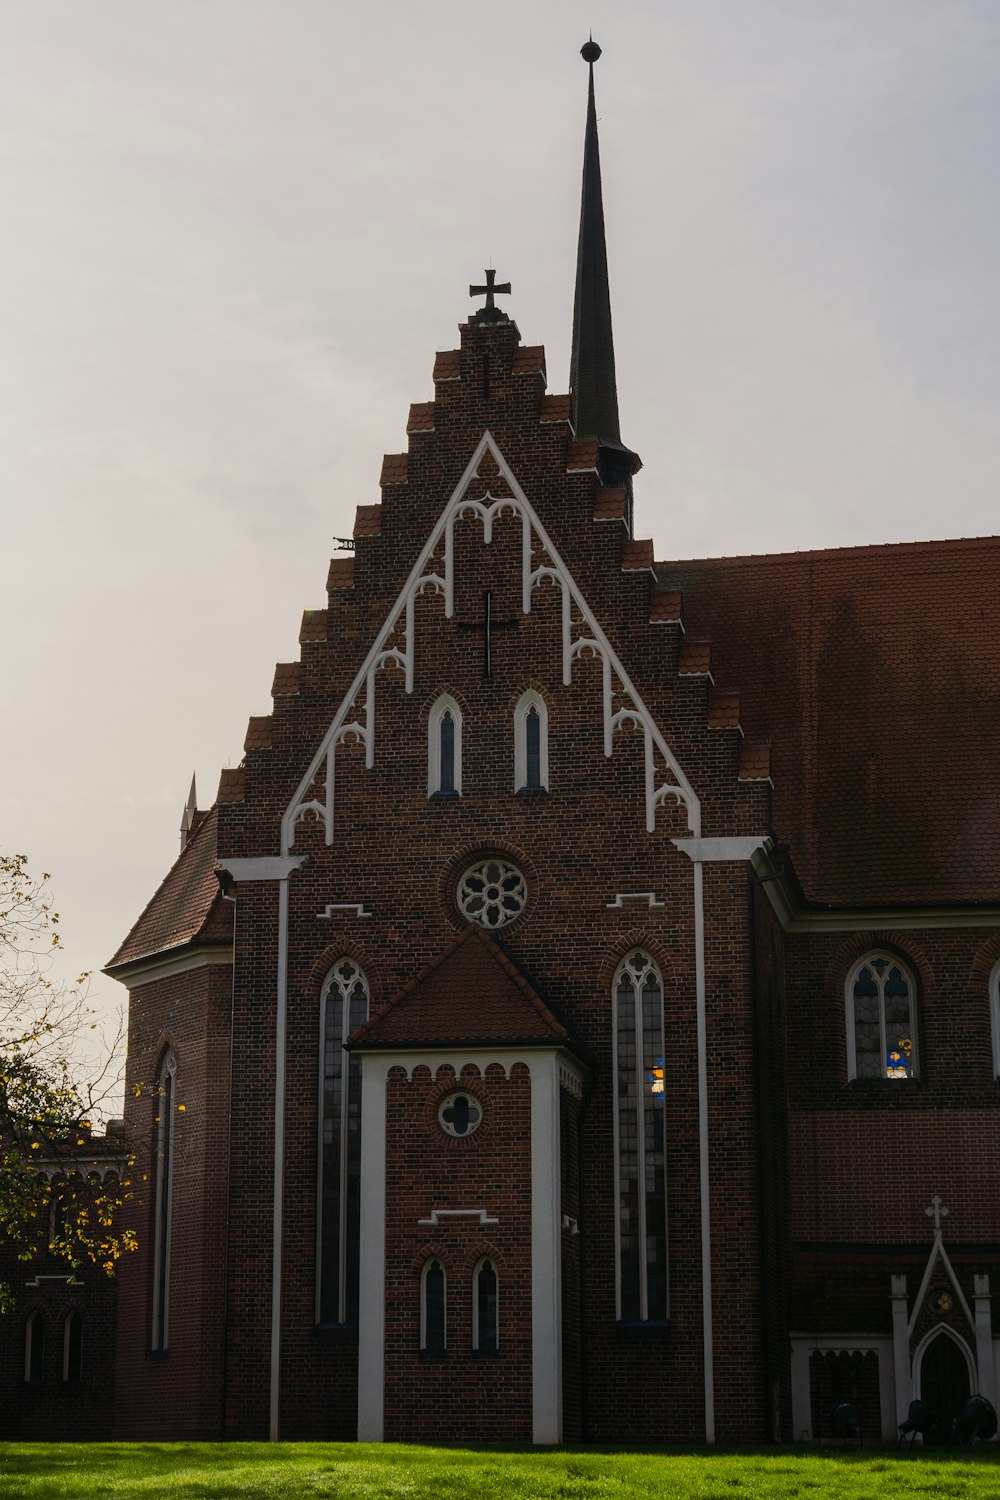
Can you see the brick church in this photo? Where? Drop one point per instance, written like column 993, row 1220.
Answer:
column 578, row 1017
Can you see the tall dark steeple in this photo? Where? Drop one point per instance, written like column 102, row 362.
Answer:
column 592, row 364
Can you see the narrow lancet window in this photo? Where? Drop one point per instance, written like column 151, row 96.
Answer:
column 880, row 1033
column 344, row 1008
column 531, row 751
column 164, row 1202
column 72, row 1347
column 641, row 1164
column 484, row 1308
column 34, row 1348
column 433, row 1309
column 444, row 749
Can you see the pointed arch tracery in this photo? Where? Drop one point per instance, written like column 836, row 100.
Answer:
column 531, row 743
column 444, row 748
column 640, row 1140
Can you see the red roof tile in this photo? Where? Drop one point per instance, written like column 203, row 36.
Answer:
column 231, row 785
column 874, row 674
column 421, row 418
column 582, row 457
column 529, row 359
column 394, row 466
column 448, row 365
column 609, row 505
column 340, row 574
column 187, row 906
column 637, row 556
column 755, row 763
column 695, row 659
column 258, row 735
column 724, row 711
column 472, row 992
column 556, row 408
column 313, row 627
column 286, row 679
column 666, row 607
column 368, row 520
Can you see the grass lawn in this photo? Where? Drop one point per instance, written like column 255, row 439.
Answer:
column 183, row 1471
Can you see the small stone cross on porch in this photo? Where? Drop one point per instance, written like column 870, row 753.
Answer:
column 937, row 1212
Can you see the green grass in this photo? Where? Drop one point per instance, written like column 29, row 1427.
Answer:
column 293, row 1471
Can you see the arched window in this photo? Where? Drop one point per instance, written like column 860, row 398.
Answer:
column 164, row 1179
column 995, row 1017
column 72, row 1366
column 34, row 1348
column 881, row 1040
column 640, row 1145
column 485, row 1319
column 444, row 748
column 344, row 1007
column 531, row 744
column 433, row 1309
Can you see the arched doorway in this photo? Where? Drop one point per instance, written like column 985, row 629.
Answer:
column 944, row 1384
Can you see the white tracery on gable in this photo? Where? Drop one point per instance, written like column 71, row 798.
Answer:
column 582, row 638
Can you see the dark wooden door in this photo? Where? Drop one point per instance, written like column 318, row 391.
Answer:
column 944, row 1385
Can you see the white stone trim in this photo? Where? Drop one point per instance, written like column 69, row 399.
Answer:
column 529, row 700
column 432, row 1260
column 445, row 704
column 149, row 970
column 439, row 1215
column 712, row 851
column 995, row 1017
column 984, row 1336
column 805, row 1345
column 346, row 908
column 371, row 1290
column 541, row 563
column 163, row 1187
column 277, row 1224
column 944, row 1330
column 476, row 1271
column 704, row 1174
column 546, row 1254
column 852, row 1055
column 634, row 898
column 274, row 867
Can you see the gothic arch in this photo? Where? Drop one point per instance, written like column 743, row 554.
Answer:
column 943, row 1330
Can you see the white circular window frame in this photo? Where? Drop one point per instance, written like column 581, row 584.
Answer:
column 447, row 1102
column 503, row 893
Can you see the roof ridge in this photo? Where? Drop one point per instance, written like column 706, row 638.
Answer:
column 954, row 543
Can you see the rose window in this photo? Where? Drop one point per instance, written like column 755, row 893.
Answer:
column 492, row 893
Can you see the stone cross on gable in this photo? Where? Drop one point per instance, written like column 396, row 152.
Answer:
column 490, row 313
column 937, row 1212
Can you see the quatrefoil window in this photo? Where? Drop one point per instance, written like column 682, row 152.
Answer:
column 459, row 1114
column 492, row 893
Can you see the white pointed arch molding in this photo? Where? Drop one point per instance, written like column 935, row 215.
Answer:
column 434, row 573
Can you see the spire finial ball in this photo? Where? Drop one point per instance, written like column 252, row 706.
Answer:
column 590, row 51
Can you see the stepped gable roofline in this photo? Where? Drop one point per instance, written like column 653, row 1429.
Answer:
column 873, row 673
column 472, row 993
column 186, row 908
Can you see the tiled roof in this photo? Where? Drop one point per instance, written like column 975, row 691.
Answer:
column 582, row 456
column 609, row 505
column 724, row 711
column 529, row 359
column 556, row 408
column 340, row 574
column 368, row 520
column 286, row 679
column 472, row 992
column 421, row 418
column 231, row 785
column 874, row 675
column 258, row 735
column 394, row 467
column 313, row 627
column 448, row 365
column 666, row 606
column 187, row 906
column 755, row 763
column 637, row 556
column 695, row 659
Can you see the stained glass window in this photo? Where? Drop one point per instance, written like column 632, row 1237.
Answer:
column 880, row 1019
column 444, row 748
column 345, row 1001
column 531, row 755
column 641, row 1165
column 492, row 893
column 446, row 727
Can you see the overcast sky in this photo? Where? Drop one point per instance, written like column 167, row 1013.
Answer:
column 236, row 231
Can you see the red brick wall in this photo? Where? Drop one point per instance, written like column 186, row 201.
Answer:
column 180, row 1394
column 458, row 1398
